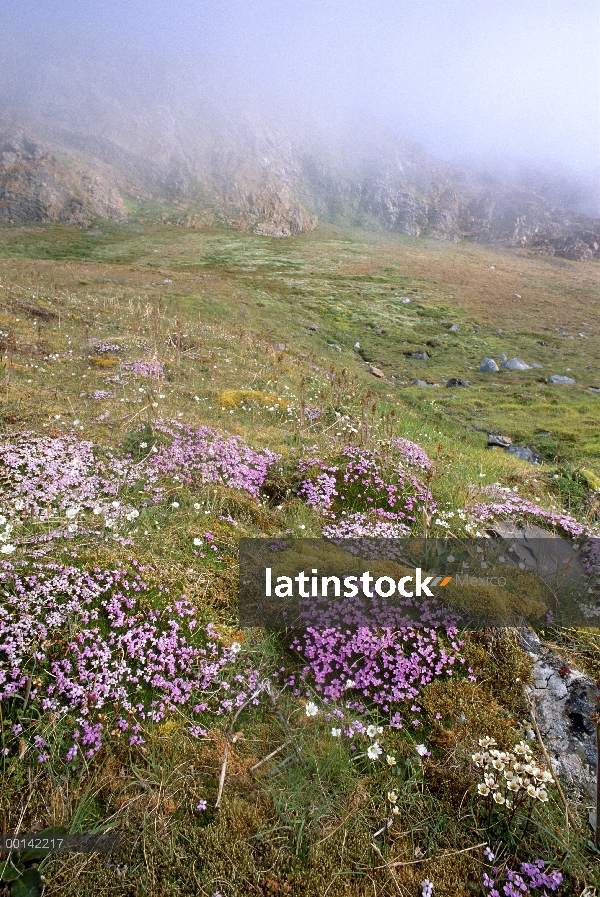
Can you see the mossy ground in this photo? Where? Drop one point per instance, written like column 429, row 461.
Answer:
column 246, row 326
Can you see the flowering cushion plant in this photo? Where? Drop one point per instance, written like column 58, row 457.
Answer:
column 99, row 653
column 372, row 492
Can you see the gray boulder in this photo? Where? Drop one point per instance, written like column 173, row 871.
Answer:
column 456, row 381
column 557, row 380
column 488, row 366
column 524, row 453
column 515, row 364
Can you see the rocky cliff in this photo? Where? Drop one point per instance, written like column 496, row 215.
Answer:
column 256, row 178
column 35, row 185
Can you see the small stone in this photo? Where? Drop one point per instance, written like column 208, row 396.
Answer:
column 280, row 347
column 502, row 357
column 419, row 356
column 557, row 380
column 516, row 295
column 313, row 327
column 335, row 346
column 405, row 301
column 357, row 345
column 454, row 329
column 497, row 439
column 535, row 365
column 418, row 383
column 515, row 364
column 456, row 381
column 488, row 366
column 492, row 267
column 524, row 454
column 593, row 389
column 376, row 372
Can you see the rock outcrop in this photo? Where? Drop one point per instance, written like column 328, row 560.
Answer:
column 36, row 186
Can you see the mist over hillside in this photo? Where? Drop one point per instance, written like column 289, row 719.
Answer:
column 94, row 135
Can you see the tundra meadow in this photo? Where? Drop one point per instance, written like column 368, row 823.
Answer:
column 166, row 391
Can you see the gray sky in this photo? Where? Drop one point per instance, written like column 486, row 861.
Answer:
column 519, row 78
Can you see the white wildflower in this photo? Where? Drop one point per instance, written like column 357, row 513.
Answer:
column 374, row 751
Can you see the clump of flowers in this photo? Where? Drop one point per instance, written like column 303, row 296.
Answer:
column 383, row 667
column 377, row 524
column 48, row 479
column 101, row 652
column 508, row 504
column 379, row 491
column 531, row 877
column 143, row 368
column 212, row 457
column 510, row 778
column 102, row 347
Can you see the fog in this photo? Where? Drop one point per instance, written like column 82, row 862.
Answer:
column 504, row 81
